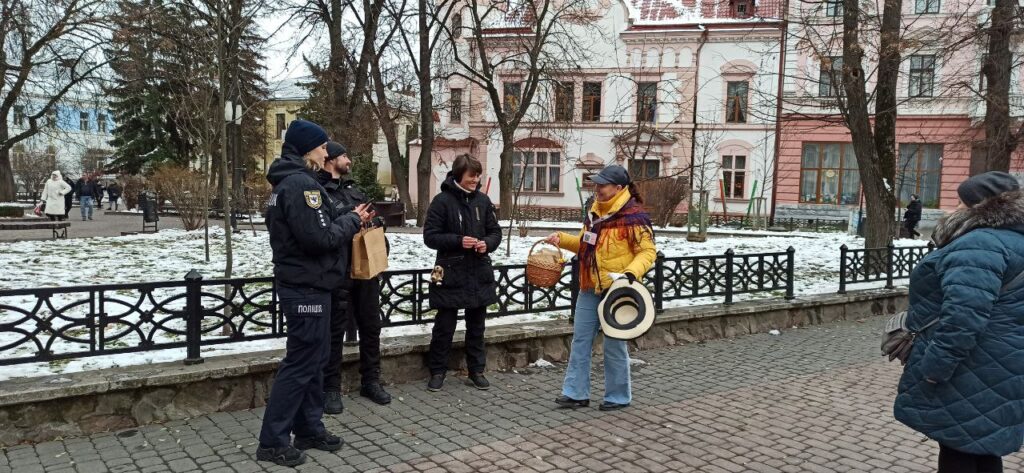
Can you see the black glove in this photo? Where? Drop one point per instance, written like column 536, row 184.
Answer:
column 631, row 278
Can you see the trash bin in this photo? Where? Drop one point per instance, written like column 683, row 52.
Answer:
column 150, row 216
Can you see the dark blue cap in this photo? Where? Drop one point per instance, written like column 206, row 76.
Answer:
column 305, row 136
column 990, row 184
column 613, row 174
column 335, row 149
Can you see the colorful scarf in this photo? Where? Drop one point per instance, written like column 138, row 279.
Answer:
column 618, row 226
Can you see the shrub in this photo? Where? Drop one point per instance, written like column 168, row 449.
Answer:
column 185, row 189
column 662, row 196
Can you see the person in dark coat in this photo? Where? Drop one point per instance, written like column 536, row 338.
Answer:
column 462, row 227
column 69, row 197
column 306, row 235
column 359, row 299
column 912, row 216
column 113, row 195
column 87, row 193
column 963, row 385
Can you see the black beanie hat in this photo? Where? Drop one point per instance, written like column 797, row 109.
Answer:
column 335, row 149
column 305, row 136
column 990, row 184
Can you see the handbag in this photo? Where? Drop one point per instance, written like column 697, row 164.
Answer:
column 40, row 208
column 898, row 340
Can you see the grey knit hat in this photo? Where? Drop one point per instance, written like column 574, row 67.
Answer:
column 990, row 184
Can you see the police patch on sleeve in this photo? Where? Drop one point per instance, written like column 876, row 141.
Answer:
column 312, row 199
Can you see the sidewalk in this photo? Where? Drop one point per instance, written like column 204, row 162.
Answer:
column 808, row 400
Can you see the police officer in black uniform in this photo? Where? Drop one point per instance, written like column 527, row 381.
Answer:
column 306, row 233
column 362, row 297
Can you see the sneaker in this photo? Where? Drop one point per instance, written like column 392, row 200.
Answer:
column 284, row 456
column 477, row 380
column 611, row 406
column 332, row 403
column 566, row 401
column 375, row 393
column 435, row 383
column 325, row 442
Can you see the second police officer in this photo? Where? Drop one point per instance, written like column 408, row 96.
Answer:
column 306, row 237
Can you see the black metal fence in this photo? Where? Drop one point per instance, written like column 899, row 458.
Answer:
column 879, row 264
column 48, row 324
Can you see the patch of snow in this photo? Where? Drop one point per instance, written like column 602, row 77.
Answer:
column 636, row 362
column 542, row 363
column 775, row 332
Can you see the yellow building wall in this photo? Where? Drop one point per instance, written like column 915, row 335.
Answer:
column 274, row 136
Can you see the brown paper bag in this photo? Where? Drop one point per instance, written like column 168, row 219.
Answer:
column 369, row 254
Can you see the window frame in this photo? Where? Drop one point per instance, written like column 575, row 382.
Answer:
column 918, row 173
column 280, row 124
column 593, row 101
column 928, row 7
column 101, row 122
column 455, row 104
column 844, row 166
column 521, row 167
column 834, row 9
column 742, row 109
column 647, row 104
column 642, row 164
column 457, row 25
column 917, row 75
column 835, row 81
column 565, row 105
column 83, row 121
column 515, row 99
column 730, row 173
column 19, row 115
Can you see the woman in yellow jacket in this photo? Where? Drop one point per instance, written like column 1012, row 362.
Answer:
column 617, row 240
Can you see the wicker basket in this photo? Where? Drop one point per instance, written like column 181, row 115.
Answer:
column 544, row 268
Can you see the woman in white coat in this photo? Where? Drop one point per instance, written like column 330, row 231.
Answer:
column 53, row 195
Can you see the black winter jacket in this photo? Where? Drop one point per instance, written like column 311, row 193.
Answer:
column 913, row 213
column 468, row 276
column 306, row 232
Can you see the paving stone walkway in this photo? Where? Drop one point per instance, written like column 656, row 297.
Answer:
column 809, row 400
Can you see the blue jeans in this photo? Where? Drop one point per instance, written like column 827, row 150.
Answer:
column 86, row 204
column 616, row 356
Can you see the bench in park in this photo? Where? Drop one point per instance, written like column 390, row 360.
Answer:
column 59, row 229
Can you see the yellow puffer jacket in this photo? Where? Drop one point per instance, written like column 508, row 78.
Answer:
column 614, row 253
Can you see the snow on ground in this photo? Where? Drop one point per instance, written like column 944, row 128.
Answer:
column 170, row 254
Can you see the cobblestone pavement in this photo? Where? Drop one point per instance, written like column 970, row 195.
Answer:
column 809, row 400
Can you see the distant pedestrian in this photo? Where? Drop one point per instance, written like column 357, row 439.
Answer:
column 912, row 216
column 462, row 227
column 617, row 240
column 86, row 196
column 53, row 195
column 113, row 195
column 69, row 198
column 963, row 385
column 101, row 189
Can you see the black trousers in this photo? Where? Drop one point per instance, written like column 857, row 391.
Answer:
column 296, row 403
column 362, row 305
column 441, row 340
column 955, row 461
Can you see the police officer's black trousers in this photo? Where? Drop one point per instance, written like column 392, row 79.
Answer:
column 362, row 305
column 296, row 401
column 441, row 340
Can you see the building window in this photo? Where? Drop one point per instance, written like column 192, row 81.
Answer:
column 19, row 115
column 101, row 122
column 919, row 172
column 922, row 76
column 926, row 6
column 280, row 125
column 565, row 97
column 734, row 173
column 537, row 170
column 736, row 103
column 828, row 174
column 741, row 8
column 644, row 168
column 457, row 25
column 646, row 101
column 833, row 8
column 591, row 101
column 456, row 106
column 51, row 118
column 513, row 93
column 830, row 79
column 83, row 121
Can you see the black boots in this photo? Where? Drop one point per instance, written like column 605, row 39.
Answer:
column 566, row 401
column 435, row 383
column 332, row 403
column 325, row 442
column 477, row 380
column 375, row 393
column 284, row 456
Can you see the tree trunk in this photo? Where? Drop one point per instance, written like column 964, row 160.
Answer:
column 426, row 118
column 505, row 198
column 999, row 140
column 7, row 187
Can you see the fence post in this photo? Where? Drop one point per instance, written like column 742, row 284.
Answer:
column 574, row 286
column 888, row 265
column 193, row 317
column 659, row 283
column 728, row 276
column 842, row 268
column 790, row 261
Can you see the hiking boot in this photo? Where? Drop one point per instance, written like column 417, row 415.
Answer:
column 375, row 393
column 611, row 406
column 332, row 403
column 325, row 442
column 284, row 456
column 477, row 380
column 566, row 401
column 435, row 383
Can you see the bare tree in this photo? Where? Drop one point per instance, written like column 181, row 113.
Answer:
column 48, row 50
column 1002, row 135
column 32, row 169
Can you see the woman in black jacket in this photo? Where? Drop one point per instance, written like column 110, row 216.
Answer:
column 462, row 227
